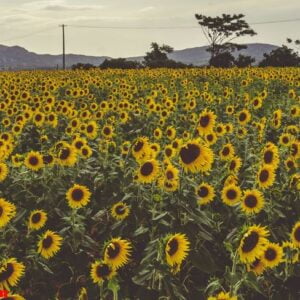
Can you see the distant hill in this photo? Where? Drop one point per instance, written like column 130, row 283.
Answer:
column 16, row 57
column 19, row 58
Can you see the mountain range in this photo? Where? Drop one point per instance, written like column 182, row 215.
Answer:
column 18, row 58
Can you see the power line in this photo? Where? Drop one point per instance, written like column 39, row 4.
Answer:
column 26, row 35
column 174, row 27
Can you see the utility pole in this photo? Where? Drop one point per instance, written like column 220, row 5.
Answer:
column 63, row 37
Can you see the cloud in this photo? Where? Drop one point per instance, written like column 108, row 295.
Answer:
column 146, row 9
column 57, row 7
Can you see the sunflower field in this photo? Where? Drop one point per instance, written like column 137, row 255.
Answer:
column 150, row 184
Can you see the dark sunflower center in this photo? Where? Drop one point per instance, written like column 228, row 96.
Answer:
column 65, row 153
column 175, row 145
column 47, row 242
column 33, row 160
column 294, row 149
column 209, row 137
column 285, row 140
column 242, row 117
column 147, row 169
column 1, row 211
column 168, row 152
column 89, row 128
column 77, row 195
column 78, row 144
column 250, row 201
column 120, row 209
column 168, row 184
column 47, row 159
column 250, row 242
column 270, row 254
column 189, row 153
column 297, row 234
column 204, row 121
column 231, row 194
column 225, row 151
column 169, row 175
column 173, row 246
column 232, row 165
column 255, row 263
column 103, row 271
column 138, row 146
column 38, row 118
column 169, row 132
column 113, row 250
column 268, row 157
column 7, row 273
column 290, row 164
column 84, row 151
column 36, row 218
column 106, row 131
column 263, row 176
column 203, row 191
column 255, row 102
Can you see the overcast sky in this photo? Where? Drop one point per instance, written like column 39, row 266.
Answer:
column 33, row 24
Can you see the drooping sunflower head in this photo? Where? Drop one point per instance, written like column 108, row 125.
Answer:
column 235, row 164
column 78, row 196
column 10, row 273
column 205, row 193
column 253, row 243
column 252, row 201
column 257, row 266
column 117, row 252
column 49, row 244
column 231, row 194
column 7, row 211
column 272, row 255
column 171, row 173
column 176, row 250
column 171, row 132
column 140, row 148
column 120, row 211
column 295, row 235
column 3, row 171
column 101, row 271
column 37, row 219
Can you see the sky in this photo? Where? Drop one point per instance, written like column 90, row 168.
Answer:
column 34, row 24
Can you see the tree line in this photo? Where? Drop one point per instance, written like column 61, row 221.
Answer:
column 220, row 33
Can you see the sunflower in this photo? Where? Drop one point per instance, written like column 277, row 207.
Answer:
column 235, row 165
column 107, row 131
column 227, row 152
column 171, row 132
column 241, row 132
column 211, row 138
column 67, row 156
column 265, row 176
column 157, row 133
column 223, row 296
column 117, row 252
column 101, row 271
column 168, row 185
column 34, row 161
column 205, row 193
column 169, row 151
column 120, row 211
column 176, row 250
column 140, row 148
column 10, row 273
column 295, row 235
column 206, row 122
column 253, row 243
column 78, row 143
column 270, row 155
column 83, row 294
column 231, row 194
column 244, row 117
column 49, row 244
column 17, row 160
column 252, row 201
column 91, row 130
column 78, row 196
column 148, row 171
column 272, row 255
column 229, row 109
column 195, row 157
column 171, row 173
column 37, row 219
column 7, row 212
column 3, row 171
column 286, row 139
column 257, row 266
column 13, row 297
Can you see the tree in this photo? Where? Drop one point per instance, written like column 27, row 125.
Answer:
column 119, row 63
column 296, row 42
column 222, row 60
column 281, row 57
column 81, row 66
column 244, row 61
column 221, row 31
column 158, row 56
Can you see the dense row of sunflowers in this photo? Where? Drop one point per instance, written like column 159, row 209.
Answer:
column 150, row 184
